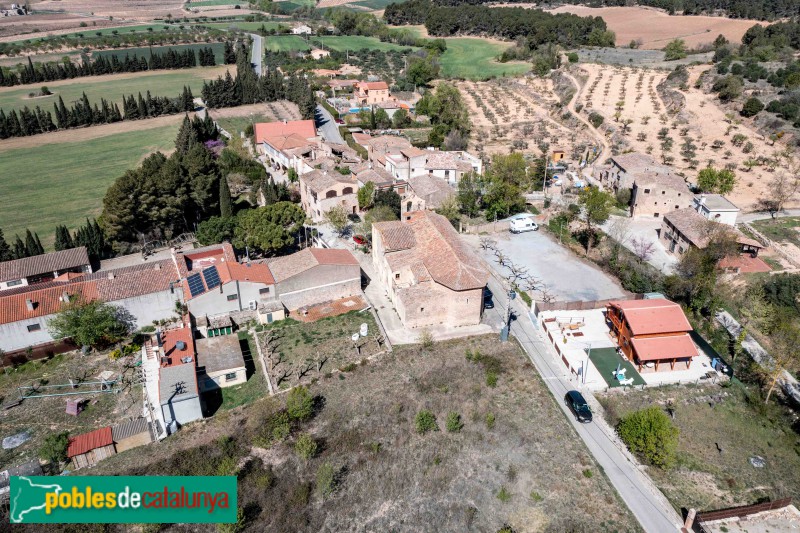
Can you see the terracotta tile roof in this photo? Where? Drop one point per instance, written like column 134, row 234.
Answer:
column 305, row 128
column 373, row 86
column 697, row 229
column 744, row 264
column 287, row 266
column 377, row 175
column 321, row 181
column 89, row 441
column 647, row 317
column 254, row 272
column 395, row 236
column 667, row 347
column 362, row 138
column 136, row 281
column 43, row 264
column 288, row 142
column 636, row 162
column 667, row 180
column 414, row 152
column 439, row 249
column 432, row 189
column 45, row 302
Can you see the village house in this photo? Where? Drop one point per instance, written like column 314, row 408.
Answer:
column 656, row 194
column 651, row 333
column 44, row 267
column 315, row 275
column 320, row 191
column 406, row 162
column 426, row 192
column 432, row 277
column 148, row 292
column 685, row 228
column 716, row 208
column 169, row 366
column 220, row 362
column 451, row 166
column 623, row 170
column 302, row 29
column 371, row 92
column 287, row 143
column 88, row 449
column 379, row 146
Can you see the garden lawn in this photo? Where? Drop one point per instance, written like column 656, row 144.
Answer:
column 356, row 42
column 64, row 183
column 785, row 229
column 286, row 43
column 255, row 387
column 474, row 59
column 606, row 361
column 159, row 82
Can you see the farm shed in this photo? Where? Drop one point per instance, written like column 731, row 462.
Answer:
column 136, row 432
column 89, row 448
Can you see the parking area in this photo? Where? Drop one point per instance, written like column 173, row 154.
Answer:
column 643, row 229
column 565, row 276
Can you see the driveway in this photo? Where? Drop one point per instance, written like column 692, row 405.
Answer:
column 327, row 126
column 257, row 54
column 566, row 277
column 645, row 229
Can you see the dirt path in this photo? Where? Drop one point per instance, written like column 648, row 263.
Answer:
column 606, row 152
column 87, row 134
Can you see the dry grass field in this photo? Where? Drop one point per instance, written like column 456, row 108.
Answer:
column 525, row 467
column 236, row 119
column 656, row 28
column 516, row 113
column 720, row 138
column 140, row 10
column 39, row 25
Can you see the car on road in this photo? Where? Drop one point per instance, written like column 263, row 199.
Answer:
column 359, row 239
column 577, row 404
column 488, row 303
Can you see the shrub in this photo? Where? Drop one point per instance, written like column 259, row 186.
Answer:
column 491, row 378
column 573, row 57
column 490, row 420
column 503, row 495
column 454, row 423
column 425, row 421
column 650, row 433
column 752, row 107
column 54, row 447
column 305, row 447
column 588, row 474
column 326, row 480
column 596, row 119
column 535, row 496
column 426, row 339
column 275, row 429
column 300, row 404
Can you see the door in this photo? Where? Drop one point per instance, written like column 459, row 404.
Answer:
column 269, row 318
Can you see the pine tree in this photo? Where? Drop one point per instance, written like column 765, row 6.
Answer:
column 225, row 203
column 270, row 192
column 63, row 239
column 5, row 250
column 31, row 248
column 186, row 138
column 39, row 247
column 19, row 248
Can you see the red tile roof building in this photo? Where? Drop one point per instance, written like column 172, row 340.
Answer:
column 431, row 276
column 44, row 267
column 652, row 331
column 89, row 448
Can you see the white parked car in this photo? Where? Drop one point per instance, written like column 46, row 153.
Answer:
column 519, row 225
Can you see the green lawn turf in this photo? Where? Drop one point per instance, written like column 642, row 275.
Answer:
column 159, row 83
column 474, row 58
column 255, row 387
column 356, row 42
column 606, row 360
column 286, row 43
column 234, row 125
column 64, row 183
column 144, row 51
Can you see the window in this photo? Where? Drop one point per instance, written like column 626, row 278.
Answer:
column 663, row 192
column 655, row 215
column 397, row 276
column 421, row 309
column 230, row 376
column 347, row 190
column 330, row 194
column 14, row 283
column 647, row 191
column 233, row 297
column 34, row 327
column 446, row 173
column 263, row 291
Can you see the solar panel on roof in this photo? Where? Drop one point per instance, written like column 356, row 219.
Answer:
column 195, row 284
column 212, row 277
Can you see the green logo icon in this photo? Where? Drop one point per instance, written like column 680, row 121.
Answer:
column 123, row 499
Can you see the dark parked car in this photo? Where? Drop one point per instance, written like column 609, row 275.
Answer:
column 577, row 405
column 487, row 299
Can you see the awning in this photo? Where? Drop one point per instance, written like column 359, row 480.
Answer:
column 664, row 348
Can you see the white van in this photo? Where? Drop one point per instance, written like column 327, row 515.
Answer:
column 519, row 225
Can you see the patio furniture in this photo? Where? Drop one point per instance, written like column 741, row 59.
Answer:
column 628, row 381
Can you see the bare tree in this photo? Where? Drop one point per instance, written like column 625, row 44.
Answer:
column 782, row 188
column 643, row 248
column 784, row 356
column 518, row 276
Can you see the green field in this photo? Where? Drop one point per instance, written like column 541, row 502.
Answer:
column 246, row 26
column 286, row 43
column 234, row 125
column 90, row 31
column 159, row 83
column 374, row 4
column 356, row 42
column 473, row 58
column 64, row 183
column 219, row 50
column 210, row 3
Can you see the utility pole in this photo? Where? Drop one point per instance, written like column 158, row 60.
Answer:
column 507, row 322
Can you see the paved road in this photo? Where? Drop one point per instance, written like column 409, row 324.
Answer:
column 327, row 126
column 761, row 215
column 645, row 501
column 257, row 55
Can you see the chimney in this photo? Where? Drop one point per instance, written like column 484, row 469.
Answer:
column 158, row 266
column 111, row 275
column 64, row 297
column 29, row 304
column 702, row 199
column 687, row 526
column 285, row 121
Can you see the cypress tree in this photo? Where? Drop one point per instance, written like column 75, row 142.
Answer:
column 186, row 138
column 19, row 248
column 5, row 250
column 39, row 247
column 63, row 239
column 31, row 248
column 225, row 203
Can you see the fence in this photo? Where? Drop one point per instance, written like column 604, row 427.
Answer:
column 741, row 512
column 42, row 351
column 489, row 227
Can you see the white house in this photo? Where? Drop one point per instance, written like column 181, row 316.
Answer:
column 717, row 208
column 301, row 29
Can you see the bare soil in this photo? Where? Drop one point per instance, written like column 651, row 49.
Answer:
column 389, row 477
column 655, row 28
column 40, row 25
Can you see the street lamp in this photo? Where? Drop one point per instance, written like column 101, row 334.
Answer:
column 507, row 322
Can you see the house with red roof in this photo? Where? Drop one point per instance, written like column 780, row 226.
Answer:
column 287, row 143
column 88, row 449
column 372, row 92
column 652, row 333
column 431, row 276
